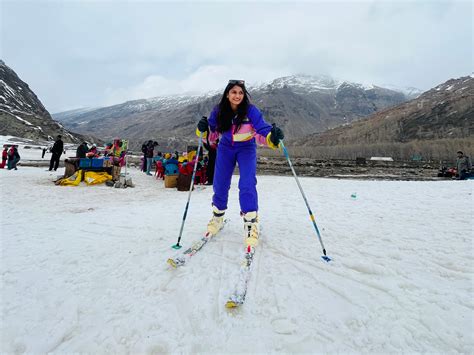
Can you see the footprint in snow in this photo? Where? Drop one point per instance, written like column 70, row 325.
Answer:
column 283, row 326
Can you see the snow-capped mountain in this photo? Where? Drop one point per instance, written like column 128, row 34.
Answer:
column 301, row 104
column 410, row 91
column 302, row 83
column 21, row 112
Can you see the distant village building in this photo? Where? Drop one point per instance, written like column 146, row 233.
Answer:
column 417, row 157
column 381, row 158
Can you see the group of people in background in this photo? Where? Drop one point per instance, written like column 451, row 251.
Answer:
column 10, row 157
column 166, row 164
column 115, row 149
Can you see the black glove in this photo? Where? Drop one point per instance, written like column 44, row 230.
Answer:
column 276, row 134
column 203, row 124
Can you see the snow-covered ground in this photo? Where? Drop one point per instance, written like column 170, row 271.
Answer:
column 83, row 269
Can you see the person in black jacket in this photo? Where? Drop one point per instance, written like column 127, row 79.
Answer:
column 463, row 166
column 82, row 150
column 144, row 151
column 57, row 151
column 150, row 147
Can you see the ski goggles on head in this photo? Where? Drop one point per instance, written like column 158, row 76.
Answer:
column 235, row 82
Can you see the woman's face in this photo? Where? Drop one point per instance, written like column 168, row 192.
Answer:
column 235, row 96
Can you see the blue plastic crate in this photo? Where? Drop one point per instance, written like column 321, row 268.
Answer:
column 85, row 163
column 97, row 163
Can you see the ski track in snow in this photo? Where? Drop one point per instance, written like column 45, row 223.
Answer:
column 83, row 269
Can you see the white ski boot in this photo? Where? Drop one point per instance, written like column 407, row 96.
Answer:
column 216, row 223
column 251, row 230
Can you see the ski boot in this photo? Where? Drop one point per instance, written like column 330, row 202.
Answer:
column 216, row 223
column 251, row 230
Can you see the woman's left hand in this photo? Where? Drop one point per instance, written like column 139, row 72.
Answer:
column 276, row 134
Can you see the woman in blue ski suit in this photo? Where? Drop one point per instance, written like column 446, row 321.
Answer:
column 239, row 125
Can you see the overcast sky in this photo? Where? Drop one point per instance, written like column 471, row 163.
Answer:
column 95, row 53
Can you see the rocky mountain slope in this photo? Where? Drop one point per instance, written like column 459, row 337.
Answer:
column 22, row 114
column 301, row 104
column 446, row 111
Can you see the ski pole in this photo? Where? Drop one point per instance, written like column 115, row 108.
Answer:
column 126, row 159
column 324, row 257
column 177, row 246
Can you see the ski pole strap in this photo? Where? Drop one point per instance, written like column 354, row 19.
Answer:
column 311, row 216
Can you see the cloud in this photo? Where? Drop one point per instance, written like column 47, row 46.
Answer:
column 99, row 53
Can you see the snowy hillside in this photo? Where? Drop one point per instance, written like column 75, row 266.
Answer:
column 84, row 269
column 21, row 112
column 446, row 111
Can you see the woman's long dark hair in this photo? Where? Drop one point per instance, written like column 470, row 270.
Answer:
column 226, row 114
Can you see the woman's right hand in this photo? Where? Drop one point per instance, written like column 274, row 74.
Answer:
column 203, row 124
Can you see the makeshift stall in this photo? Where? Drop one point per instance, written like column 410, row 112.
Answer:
column 96, row 169
column 99, row 165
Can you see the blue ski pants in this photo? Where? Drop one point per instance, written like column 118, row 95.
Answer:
column 245, row 154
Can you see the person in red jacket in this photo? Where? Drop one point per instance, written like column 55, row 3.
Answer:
column 4, row 157
column 93, row 152
column 13, row 157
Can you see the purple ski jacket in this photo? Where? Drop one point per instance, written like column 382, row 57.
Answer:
column 253, row 130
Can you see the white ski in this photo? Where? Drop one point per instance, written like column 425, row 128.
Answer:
column 183, row 257
column 237, row 298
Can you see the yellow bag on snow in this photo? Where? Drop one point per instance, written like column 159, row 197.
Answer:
column 73, row 180
column 94, row 178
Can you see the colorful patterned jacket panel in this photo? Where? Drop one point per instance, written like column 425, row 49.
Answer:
column 253, row 129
